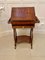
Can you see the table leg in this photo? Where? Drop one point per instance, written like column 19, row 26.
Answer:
column 31, row 36
column 15, row 36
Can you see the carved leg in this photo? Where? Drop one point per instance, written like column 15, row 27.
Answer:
column 15, row 36
column 31, row 36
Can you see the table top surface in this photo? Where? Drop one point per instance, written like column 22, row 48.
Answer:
column 23, row 13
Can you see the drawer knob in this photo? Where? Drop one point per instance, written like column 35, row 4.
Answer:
column 22, row 26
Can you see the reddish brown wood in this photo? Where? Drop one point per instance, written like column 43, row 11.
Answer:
column 23, row 17
column 23, row 13
column 23, row 38
column 31, row 37
column 15, row 37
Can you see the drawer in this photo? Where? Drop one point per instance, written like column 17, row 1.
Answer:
column 22, row 26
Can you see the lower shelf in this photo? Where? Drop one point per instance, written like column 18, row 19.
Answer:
column 23, row 38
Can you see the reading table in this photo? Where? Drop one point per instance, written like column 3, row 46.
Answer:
column 23, row 17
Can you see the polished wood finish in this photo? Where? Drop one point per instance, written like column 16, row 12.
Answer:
column 23, row 38
column 31, row 37
column 15, row 37
column 23, row 17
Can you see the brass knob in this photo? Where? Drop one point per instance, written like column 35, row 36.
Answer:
column 22, row 26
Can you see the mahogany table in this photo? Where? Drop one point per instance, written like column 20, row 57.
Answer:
column 23, row 17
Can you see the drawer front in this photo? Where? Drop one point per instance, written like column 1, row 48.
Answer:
column 22, row 26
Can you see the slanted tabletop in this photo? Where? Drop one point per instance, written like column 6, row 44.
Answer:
column 23, row 14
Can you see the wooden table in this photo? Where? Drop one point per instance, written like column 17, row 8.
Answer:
column 23, row 17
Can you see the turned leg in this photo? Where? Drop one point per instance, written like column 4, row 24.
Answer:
column 31, row 36
column 15, row 37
